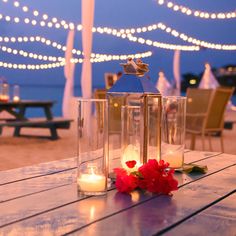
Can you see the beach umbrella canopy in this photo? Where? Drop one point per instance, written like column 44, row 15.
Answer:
column 208, row 80
column 163, row 84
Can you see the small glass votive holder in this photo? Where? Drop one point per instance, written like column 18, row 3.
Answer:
column 16, row 93
column 4, row 92
column 92, row 174
column 173, row 130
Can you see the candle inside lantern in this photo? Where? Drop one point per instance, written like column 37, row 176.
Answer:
column 92, row 182
column 130, row 153
column 174, row 157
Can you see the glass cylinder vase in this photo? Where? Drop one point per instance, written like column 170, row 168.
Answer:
column 92, row 146
column 16, row 93
column 173, row 130
column 4, row 92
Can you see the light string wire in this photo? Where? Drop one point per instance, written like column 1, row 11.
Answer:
column 47, row 42
column 122, row 33
column 74, row 60
column 116, row 32
column 197, row 13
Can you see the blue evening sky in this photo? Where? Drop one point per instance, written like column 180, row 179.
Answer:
column 119, row 14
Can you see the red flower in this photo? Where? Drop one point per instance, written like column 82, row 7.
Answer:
column 125, row 183
column 152, row 176
column 131, row 164
column 156, row 178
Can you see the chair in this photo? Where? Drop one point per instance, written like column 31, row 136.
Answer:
column 100, row 94
column 114, row 105
column 205, row 113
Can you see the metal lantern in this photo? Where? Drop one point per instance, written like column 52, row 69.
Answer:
column 134, row 109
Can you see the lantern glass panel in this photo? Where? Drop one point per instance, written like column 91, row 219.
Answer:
column 134, row 127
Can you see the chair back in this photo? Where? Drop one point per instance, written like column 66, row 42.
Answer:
column 114, row 114
column 215, row 118
column 100, row 93
column 198, row 104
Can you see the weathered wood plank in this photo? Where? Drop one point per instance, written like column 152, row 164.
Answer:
column 20, row 174
column 44, row 204
column 219, row 219
column 34, row 171
column 53, row 180
column 32, row 186
column 153, row 216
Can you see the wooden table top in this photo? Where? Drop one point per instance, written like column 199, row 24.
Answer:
column 43, row 200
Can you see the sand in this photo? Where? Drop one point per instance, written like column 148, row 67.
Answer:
column 18, row 152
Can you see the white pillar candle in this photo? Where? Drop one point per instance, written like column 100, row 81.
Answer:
column 92, row 182
column 174, row 158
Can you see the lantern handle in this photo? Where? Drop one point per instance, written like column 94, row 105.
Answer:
column 136, row 68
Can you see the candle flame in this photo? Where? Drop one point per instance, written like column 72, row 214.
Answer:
column 130, row 154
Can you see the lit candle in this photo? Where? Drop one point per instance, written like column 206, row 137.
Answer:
column 4, row 98
column 92, row 182
column 130, row 154
column 16, row 99
column 174, row 158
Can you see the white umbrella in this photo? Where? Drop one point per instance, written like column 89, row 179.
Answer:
column 163, row 84
column 208, row 80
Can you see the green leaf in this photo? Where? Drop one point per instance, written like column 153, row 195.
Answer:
column 194, row 168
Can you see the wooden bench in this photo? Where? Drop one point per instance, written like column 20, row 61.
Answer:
column 52, row 125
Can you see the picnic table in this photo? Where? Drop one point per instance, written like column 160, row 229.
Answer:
column 18, row 111
column 43, row 200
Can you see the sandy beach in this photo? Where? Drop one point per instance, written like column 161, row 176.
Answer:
column 17, row 152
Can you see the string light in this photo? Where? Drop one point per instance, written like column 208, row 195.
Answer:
column 150, row 42
column 31, row 66
column 124, row 32
column 39, row 39
column 47, row 42
column 30, row 54
column 127, row 33
column 102, row 58
column 200, row 14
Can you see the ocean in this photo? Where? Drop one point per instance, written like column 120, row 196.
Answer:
column 52, row 92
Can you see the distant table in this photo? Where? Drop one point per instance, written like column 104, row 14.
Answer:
column 43, row 200
column 18, row 109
